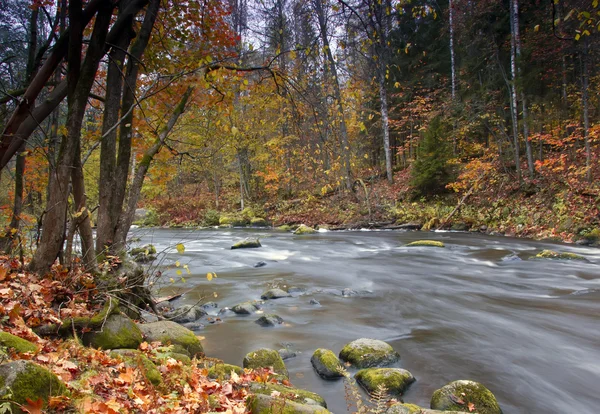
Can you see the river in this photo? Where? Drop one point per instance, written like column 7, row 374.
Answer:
column 478, row 309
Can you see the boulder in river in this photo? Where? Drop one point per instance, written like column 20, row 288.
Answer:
column 366, row 353
column 260, row 264
column 459, row 395
column 315, row 302
column 17, row 344
column 266, row 358
column 395, row 380
column 296, row 395
column 266, row 404
column 259, row 222
column 23, row 380
column 286, row 353
column 186, row 314
column 304, row 229
column 247, row 243
column 426, row 243
column 326, row 364
column 170, row 333
column 275, row 293
column 117, row 332
column 269, row 320
column 551, row 254
column 245, row 308
column 415, row 409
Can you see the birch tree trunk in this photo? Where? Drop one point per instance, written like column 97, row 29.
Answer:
column 514, row 104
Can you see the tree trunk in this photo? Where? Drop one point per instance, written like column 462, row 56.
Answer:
column 513, row 91
column 452, row 60
column 385, row 124
column 586, row 109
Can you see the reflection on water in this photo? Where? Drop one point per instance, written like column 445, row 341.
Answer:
column 477, row 309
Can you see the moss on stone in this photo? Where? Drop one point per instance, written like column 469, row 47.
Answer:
column 146, row 250
column 304, row 229
column 326, row 363
column 404, row 409
column 284, row 227
column 266, row 358
column 469, row 392
column 117, row 332
column 426, row 243
column 395, row 380
column 222, row 371
column 297, row 395
column 551, row 254
column 20, row 345
column 170, row 333
column 233, row 220
column 247, row 243
column 259, row 222
column 136, row 359
column 265, row 404
column 24, row 379
column 366, row 353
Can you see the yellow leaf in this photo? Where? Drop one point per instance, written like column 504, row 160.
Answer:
column 179, row 272
column 180, row 248
column 234, row 131
column 177, row 264
column 209, row 276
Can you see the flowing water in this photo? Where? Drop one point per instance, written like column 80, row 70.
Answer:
column 527, row 329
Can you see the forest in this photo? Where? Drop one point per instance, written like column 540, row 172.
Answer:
column 463, row 115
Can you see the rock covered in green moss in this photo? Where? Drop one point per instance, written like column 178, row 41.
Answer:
column 136, row 359
column 275, row 293
column 170, row 333
column 118, row 331
column 326, row 364
column 366, row 353
column 147, row 249
column 245, row 308
column 223, row 371
column 233, row 220
column 266, row 358
column 304, row 229
column 22, row 380
column 259, row 222
column 296, row 395
column 267, row 404
column 247, row 243
column 448, row 398
column 269, row 320
column 395, row 380
column 19, row 345
column 426, row 243
column 284, row 227
column 551, row 254
column 414, row 409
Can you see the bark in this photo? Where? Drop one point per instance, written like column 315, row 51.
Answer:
column 80, row 80
column 345, row 147
column 385, row 121
column 514, row 105
column 452, row 59
column 586, row 108
column 135, row 189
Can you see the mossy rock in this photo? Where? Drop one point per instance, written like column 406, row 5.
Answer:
column 395, row 380
column 117, row 332
column 431, row 224
column 170, row 333
column 426, row 243
column 269, row 320
column 245, row 308
column 266, row 358
column 233, row 220
column 326, row 364
column 259, row 222
column 266, row 404
column 551, row 254
column 26, row 380
column 136, row 359
column 445, row 398
column 19, row 345
column 304, row 229
column 248, row 243
column 296, row 395
column 284, row 227
column 222, row 371
column 415, row 409
column 275, row 293
column 366, row 353
column 146, row 250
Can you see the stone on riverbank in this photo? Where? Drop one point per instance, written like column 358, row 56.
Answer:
column 426, row 243
column 266, row 404
column 415, row 409
column 223, row 371
column 304, row 229
column 551, row 254
column 183, row 340
column 326, row 364
column 275, row 294
column 186, row 314
column 245, row 308
column 266, row 358
column 395, row 380
column 144, row 254
column 296, row 395
column 469, row 392
column 247, row 243
column 259, row 222
column 136, row 359
column 117, row 332
column 366, row 353
column 269, row 320
column 19, row 345
column 25, row 380
column 230, row 220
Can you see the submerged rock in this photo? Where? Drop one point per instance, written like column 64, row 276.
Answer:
column 366, row 353
column 426, row 243
column 19, row 345
column 266, row 358
column 245, row 308
column 260, row 264
column 269, row 320
column 275, row 294
column 170, row 333
column 457, row 396
column 296, row 395
column 395, row 380
column 266, row 404
column 315, row 302
column 210, row 305
column 186, row 314
column 304, row 229
column 286, row 353
column 248, row 243
column 117, row 332
column 326, row 364
column 551, row 254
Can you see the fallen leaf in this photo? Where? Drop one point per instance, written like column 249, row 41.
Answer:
column 471, row 407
